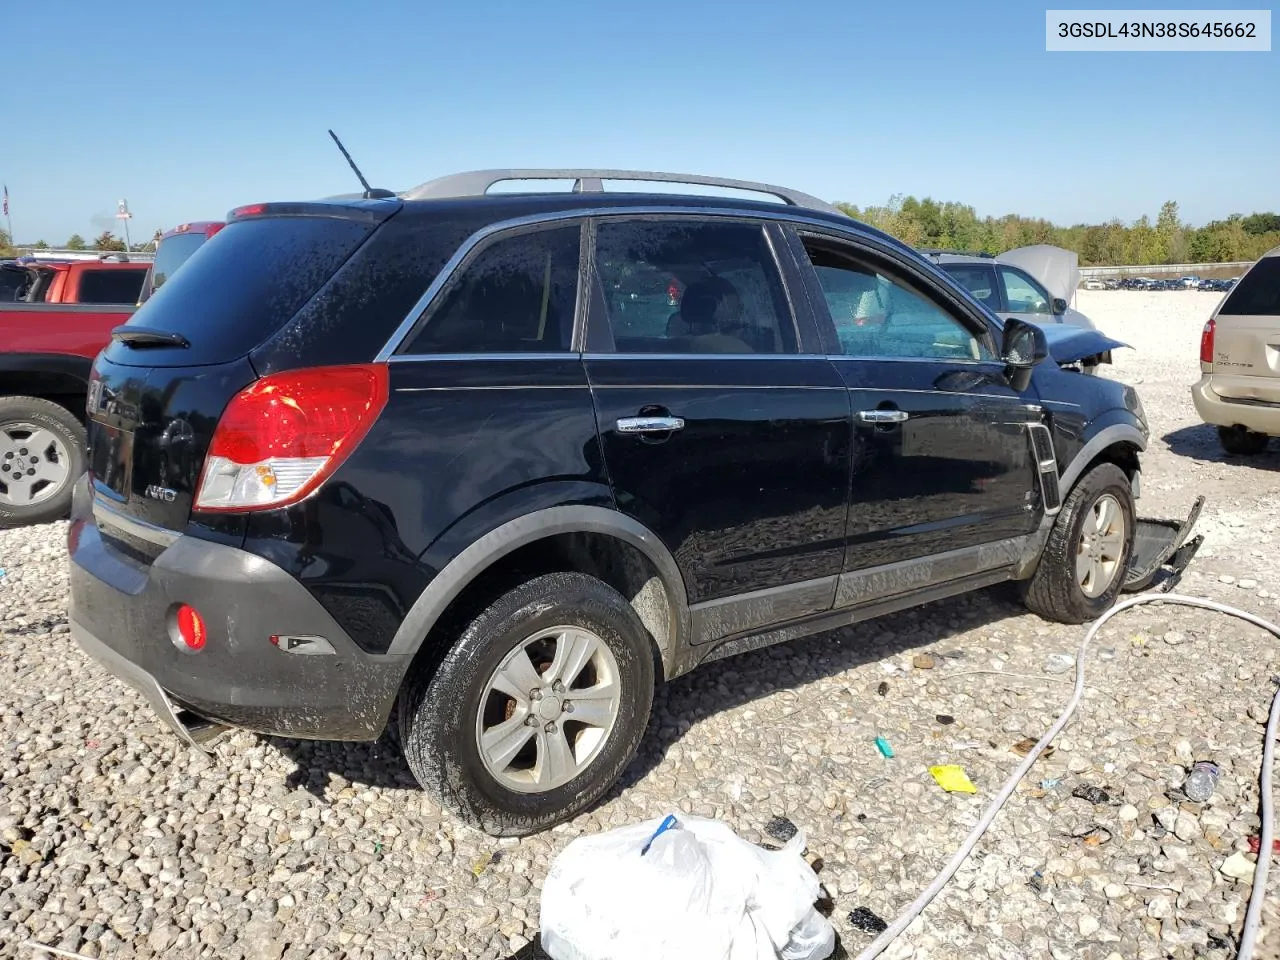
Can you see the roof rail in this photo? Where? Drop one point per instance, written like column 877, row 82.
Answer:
column 477, row 183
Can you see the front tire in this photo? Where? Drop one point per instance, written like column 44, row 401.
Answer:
column 536, row 709
column 1240, row 442
column 1086, row 559
column 42, row 454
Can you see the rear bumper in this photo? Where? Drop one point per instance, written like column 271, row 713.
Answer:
column 1261, row 416
column 122, row 611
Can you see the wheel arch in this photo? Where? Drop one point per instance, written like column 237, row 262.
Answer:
column 1119, row 441
column 60, row 378
column 591, row 539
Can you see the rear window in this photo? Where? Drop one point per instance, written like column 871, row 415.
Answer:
column 173, row 253
column 14, row 284
column 241, row 287
column 1258, row 292
column 110, row 286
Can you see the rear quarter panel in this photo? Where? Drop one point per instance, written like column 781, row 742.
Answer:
column 462, row 446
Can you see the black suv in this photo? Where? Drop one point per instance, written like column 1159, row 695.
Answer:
column 508, row 459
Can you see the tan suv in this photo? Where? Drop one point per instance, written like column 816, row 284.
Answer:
column 1239, row 390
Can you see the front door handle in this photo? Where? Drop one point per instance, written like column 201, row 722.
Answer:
column 650, row 424
column 882, row 416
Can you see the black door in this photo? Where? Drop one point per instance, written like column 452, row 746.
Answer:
column 941, row 457
column 720, row 434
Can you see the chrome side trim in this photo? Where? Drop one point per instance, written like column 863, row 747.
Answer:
column 492, row 386
column 109, row 516
column 784, row 215
column 411, row 357
column 887, row 580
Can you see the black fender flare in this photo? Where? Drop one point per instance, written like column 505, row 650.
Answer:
column 528, row 528
column 1116, row 426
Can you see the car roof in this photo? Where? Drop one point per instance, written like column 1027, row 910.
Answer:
column 499, row 207
column 469, row 194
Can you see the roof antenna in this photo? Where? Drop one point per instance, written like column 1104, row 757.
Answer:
column 370, row 193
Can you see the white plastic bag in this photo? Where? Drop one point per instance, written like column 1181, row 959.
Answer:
column 700, row 891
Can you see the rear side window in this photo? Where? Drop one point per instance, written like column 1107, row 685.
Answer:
column 690, row 286
column 174, row 252
column 14, row 284
column 1258, row 292
column 517, row 295
column 110, row 286
column 244, row 285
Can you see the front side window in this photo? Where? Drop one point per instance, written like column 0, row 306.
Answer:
column 1022, row 294
column 692, row 286
column 979, row 280
column 876, row 315
column 517, row 295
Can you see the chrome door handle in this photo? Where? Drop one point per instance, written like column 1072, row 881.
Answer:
column 650, row 424
column 882, row 416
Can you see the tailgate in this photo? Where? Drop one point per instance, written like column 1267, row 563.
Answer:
column 148, row 431
column 1245, row 349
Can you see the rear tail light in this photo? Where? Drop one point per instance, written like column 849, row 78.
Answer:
column 282, row 437
column 1206, row 342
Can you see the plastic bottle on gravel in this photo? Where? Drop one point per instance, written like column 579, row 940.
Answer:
column 1201, row 782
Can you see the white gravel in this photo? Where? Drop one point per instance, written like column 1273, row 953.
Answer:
column 116, row 842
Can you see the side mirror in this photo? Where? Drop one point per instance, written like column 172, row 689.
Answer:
column 1059, row 306
column 1023, row 347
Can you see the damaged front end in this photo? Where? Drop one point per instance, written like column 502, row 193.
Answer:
column 1161, row 551
column 1074, row 348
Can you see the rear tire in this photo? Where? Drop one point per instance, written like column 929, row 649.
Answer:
column 1068, row 585
column 445, row 716
column 1240, row 442
column 42, row 454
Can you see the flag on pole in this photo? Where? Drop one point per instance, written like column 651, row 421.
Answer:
column 6, row 199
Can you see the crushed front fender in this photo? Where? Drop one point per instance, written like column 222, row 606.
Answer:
column 1159, row 544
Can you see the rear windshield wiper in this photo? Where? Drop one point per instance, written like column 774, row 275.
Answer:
column 148, row 337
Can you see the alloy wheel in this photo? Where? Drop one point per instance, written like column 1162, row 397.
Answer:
column 34, row 464
column 1101, row 547
column 548, row 709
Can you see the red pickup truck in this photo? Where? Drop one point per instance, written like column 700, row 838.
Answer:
column 54, row 318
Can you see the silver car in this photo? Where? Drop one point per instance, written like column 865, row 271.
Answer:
column 1035, row 284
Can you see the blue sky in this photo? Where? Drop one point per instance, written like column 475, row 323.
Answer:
column 188, row 109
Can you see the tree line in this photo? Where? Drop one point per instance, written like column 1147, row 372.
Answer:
column 955, row 226
column 929, row 223
column 106, row 242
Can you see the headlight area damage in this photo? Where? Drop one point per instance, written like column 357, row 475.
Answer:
column 1074, row 348
column 1162, row 546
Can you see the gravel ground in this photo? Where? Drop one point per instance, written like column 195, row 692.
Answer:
column 116, row 842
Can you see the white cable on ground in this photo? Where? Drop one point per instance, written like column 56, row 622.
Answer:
column 1252, row 917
